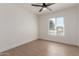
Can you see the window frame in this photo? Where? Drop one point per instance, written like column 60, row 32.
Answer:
column 53, row 33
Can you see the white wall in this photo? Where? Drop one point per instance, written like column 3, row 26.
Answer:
column 17, row 26
column 71, row 30
column 78, row 24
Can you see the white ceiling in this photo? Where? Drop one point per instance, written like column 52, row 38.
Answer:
column 55, row 7
column 35, row 10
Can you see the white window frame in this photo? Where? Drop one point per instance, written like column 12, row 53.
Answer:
column 55, row 33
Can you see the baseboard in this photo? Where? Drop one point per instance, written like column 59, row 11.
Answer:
column 34, row 40
column 60, row 42
column 15, row 46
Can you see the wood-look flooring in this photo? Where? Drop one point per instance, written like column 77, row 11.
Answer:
column 44, row 48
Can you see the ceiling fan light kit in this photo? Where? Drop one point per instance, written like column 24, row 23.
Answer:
column 44, row 6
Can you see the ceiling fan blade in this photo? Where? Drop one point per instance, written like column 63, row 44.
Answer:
column 49, row 8
column 48, row 4
column 36, row 5
column 41, row 9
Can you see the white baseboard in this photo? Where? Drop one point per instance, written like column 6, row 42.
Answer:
column 19, row 44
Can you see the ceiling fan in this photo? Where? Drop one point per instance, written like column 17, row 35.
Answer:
column 43, row 6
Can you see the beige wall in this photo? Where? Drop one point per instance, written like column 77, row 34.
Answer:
column 70, row 19
column 17, row 26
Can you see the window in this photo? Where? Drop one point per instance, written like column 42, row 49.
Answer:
column 56, row 26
